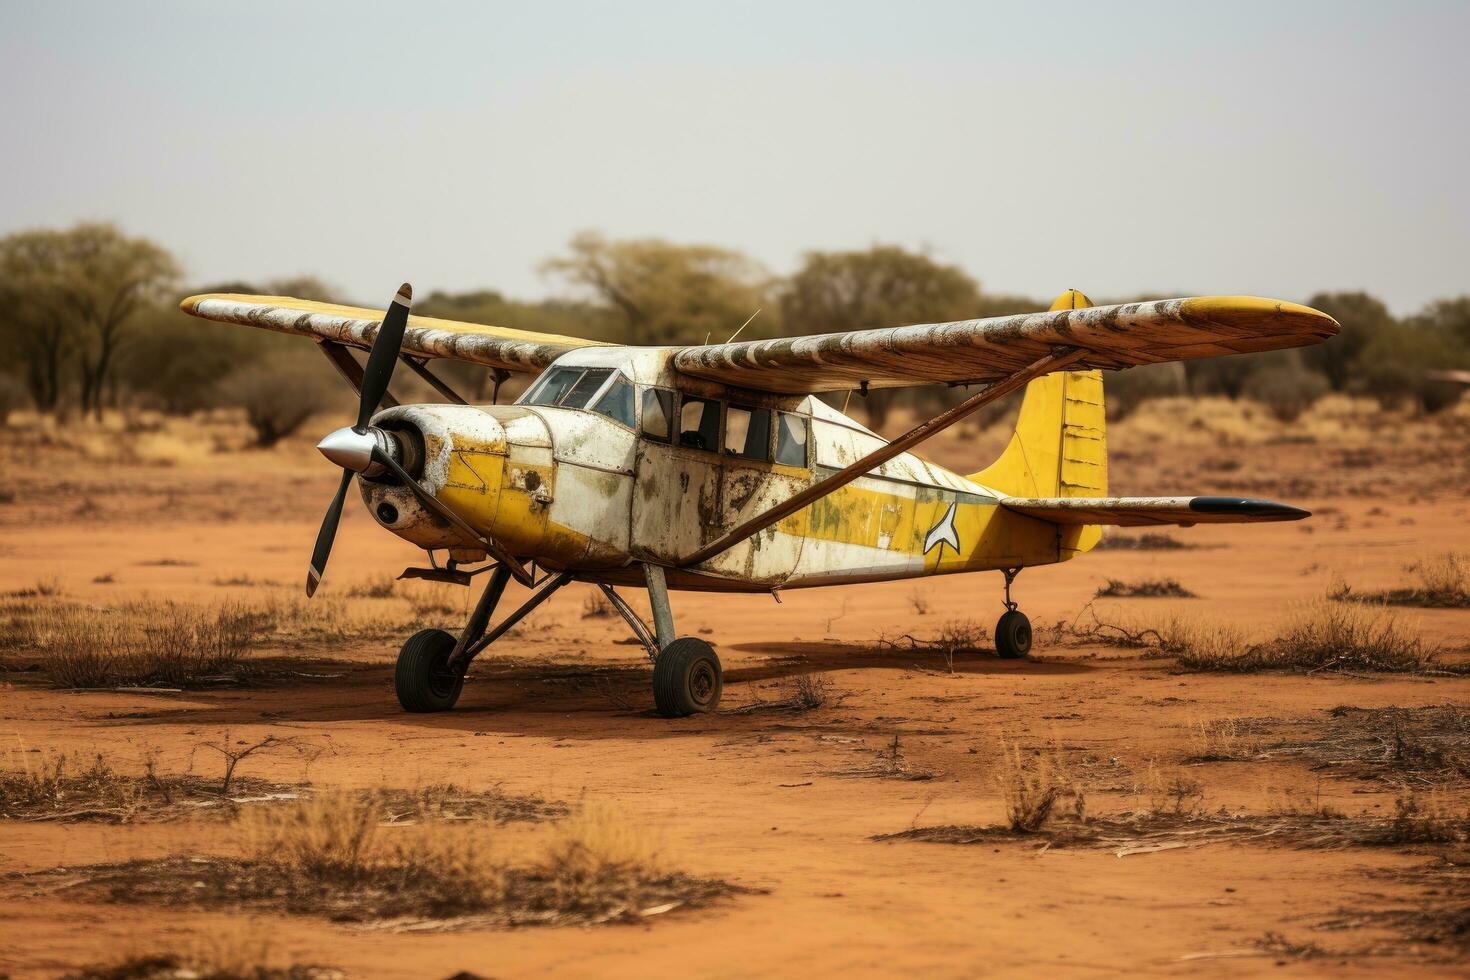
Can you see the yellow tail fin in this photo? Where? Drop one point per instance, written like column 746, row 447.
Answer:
column 1059, row 448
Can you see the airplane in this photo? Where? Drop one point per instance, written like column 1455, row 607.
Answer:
column 716, row 467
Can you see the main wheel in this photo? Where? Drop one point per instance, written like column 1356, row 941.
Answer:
column 687, row 678
column 423, row 679
column 1013, row 635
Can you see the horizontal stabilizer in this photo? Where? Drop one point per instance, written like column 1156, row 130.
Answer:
column 1144, row 511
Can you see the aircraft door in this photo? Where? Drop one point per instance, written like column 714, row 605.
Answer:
column 676, row 499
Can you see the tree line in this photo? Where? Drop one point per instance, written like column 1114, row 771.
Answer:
column 91, row 322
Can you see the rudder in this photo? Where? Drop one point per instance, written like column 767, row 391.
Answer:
column 1059, row 448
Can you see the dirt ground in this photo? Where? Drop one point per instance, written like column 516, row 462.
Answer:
column 768, row 799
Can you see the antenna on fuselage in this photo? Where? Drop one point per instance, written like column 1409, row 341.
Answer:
column 742, row 327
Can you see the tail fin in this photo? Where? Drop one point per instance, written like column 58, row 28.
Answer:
column 1059, row 448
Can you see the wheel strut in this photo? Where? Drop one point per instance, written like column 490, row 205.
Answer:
column 1010, row 574
column 469, row 646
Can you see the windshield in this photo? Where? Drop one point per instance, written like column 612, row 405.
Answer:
column 567, row 387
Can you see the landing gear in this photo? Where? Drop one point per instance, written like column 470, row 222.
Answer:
column 1013, row 630
column 1013, row 635
column 687, row 678
column 432, row 664
column 423, row 678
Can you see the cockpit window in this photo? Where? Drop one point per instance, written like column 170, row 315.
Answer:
column 587, row 386
column 617, row 404
column 552, row 386
column 568, row 387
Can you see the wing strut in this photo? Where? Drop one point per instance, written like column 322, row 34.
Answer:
column 417, row 366
column 1054, row 361
column 348, row 367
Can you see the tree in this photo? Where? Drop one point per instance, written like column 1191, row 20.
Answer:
column 667, row 293
column 1360, row 318
column 884, row 286
column 1449, row 317
column 80, row 288
column 33, row 322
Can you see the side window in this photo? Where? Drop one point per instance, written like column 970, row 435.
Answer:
column 617, row 404
column 658, row 413
column 748, row 432
column 791, row 439
column 699, row 424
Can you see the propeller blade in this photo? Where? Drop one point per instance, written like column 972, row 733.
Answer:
column 384, row 355
column 326, row 535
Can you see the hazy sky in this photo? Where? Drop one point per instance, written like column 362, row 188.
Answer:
column 1275, row 148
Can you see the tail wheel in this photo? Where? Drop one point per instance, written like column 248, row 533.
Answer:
column 1013, row 635
column 687, row 678
column 423, row 679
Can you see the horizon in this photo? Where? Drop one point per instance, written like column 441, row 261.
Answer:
column 1279, row 152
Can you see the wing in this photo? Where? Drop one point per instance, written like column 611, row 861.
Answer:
column 970, row 351
column 497, row 347
column 1143, row 511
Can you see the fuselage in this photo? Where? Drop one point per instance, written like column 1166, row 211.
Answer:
column 611, row 458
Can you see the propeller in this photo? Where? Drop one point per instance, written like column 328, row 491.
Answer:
column 358, row 447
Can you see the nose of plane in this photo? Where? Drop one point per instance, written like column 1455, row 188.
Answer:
column 454, row 453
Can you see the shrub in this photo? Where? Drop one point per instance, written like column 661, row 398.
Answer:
column 1323, row 635
column 1033, row 786
column 1165, row 588
column 1126, row 390
column 1222, row 740
column 278, row 394
column 1286, row 390
column 596, row 856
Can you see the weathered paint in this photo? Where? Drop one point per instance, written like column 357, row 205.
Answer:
column 498, row 347
column 580, row 491
column 970, row 351
column 577, row 491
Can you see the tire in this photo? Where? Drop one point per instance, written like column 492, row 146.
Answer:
column 687, row 678
column 1013, row 635
column 422, row 679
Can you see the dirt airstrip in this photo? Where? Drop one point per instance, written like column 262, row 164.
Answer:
column 781, row 800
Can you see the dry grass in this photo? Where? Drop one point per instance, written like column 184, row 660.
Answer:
column 804, row 692
column 1408, row 748
column 143, row 644
column 73, row 787
column 242, row 952
column 1321, row 636
column 336, row 855
column 377, row 587
column 891, row 762
column 597, row 606
column 952, row 637
column 1441, row 582
column 43, row 589
column 1223, row 740
column 1176, row 818
column 1166, row 588
column 435, row 602
column 1150, row 541
column 1032, row 785
column 148, row 643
